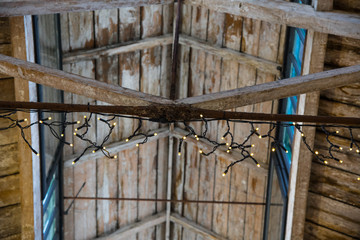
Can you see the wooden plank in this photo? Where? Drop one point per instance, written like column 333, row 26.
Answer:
column 4, row 30
column 334, row 215
column 191, row 186
column 127, row 176
column 129, row 63
column 20, row 8
column 195, row 228
column 106, row 186
column 221, row 193
column 68, row 181
column 212, row 83
column 10, row 220
column 137, row 227
column 254, row 215
column 147, row 185
column 10, row 190
column 178, row 193
column 230, row 54
column 85, row 210
column 119, row 48
column 314, row 231
column 302, row 16
column 22, row 41
column 75, row 84
column 279, row 89
column 346, row 94
column 169, row 184
column 334, row 183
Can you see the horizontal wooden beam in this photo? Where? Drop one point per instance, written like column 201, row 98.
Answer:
column 171, row 113
column 288, row 13
column 117, row 48
column 221, row 152
column 194, row 227
column 230, row 54
column 116, row 147
column 76, row 84
column 134, row 228
column 38, row 7
column 275, row 90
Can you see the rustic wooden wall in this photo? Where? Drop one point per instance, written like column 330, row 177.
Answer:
column 137, row 172
column 10, row 195
column 197, row 177
column 333, row 207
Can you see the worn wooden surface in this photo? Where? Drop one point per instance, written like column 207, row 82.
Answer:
column 333, row 190
column 20, row 8
column 302, row 16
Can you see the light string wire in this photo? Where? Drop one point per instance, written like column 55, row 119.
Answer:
column 81, row 130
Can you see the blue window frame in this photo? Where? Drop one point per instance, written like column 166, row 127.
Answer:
column 280, row 160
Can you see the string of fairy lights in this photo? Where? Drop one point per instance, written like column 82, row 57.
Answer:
column 227, row 140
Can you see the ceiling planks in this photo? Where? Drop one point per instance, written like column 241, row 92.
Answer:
column 302, row 16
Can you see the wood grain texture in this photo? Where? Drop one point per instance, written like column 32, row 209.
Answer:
column 127, row 176
column 10, row 190
column 73, row 83
column 334, row 215
column 334, row 183
column 9, row 218
column 280, row 89
column 302, row 16
column 230, row 54
column 20, row 8
column 313, row 231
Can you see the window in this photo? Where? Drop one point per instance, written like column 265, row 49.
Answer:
column 47, row 46
column 280, row 161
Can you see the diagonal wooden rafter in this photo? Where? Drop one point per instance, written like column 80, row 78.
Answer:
column 275, row 90
column 288, row 13
column 117, row 48
column 20, row 8
column 76, row 84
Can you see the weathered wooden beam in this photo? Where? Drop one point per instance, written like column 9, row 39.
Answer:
column 20, row 8
column 117, row 48
column 169, row 184
column 275, row 90
column 173, row 112
column 116, row 147
column 134, row 228
column 221, row 152
column 76, row 84
column 288, row 13
column 196, row 228
column 230, row 54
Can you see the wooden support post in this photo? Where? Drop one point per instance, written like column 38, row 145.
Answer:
column 76, row 84
column 288, row 13
column 229, row 54
column 169, row 182
column 313, row 62
column 275, row 90
column 20, row 8
column 134, row 228
column 194, row 227
column 31, row 205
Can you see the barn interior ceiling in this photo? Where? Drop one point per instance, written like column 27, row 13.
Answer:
column 181, row 65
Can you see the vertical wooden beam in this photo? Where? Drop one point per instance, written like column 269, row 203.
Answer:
column 31, row 215
column 169, row 182
column 313, row 62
